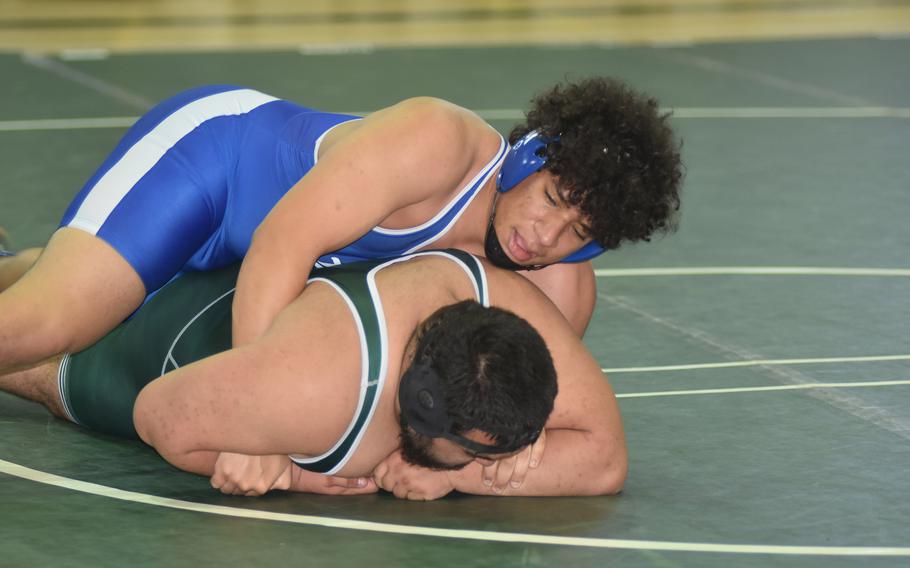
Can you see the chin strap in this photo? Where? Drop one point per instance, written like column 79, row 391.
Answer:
column 492, row 249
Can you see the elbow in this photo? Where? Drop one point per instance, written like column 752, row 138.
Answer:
column 152, row 427
column 612, row 473
column 142, row 419
column 612, row 480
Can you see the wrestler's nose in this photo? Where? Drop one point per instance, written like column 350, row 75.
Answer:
column 549, row 229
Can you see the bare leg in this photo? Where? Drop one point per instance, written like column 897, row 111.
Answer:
column 12, row 268
column 79, row 289
column 38, row 384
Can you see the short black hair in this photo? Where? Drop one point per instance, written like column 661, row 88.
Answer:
column 496, row 372
column 616, row 156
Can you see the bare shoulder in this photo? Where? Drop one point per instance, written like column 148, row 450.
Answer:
column 572, row 287
column 445, row 127
column 509, row 290
column 430, row 279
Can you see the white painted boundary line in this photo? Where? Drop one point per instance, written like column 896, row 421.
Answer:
column 67, row 123
column 750, row 271
column 756, row 363
column 765, row 389
column 518, row 114
column 746, row 112
column 10, row 468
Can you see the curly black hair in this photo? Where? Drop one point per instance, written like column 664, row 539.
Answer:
column 616, row 157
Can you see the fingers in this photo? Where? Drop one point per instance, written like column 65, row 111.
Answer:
column 537, row 449
column 238, row 474
column 348, row 482
column 283, row 483
column 368, row 487
column 489, row 473
column 522, row 465
column 504, row 473
column 528, row 459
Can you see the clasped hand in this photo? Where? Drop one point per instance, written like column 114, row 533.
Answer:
column 239, row 474
column 407, row 481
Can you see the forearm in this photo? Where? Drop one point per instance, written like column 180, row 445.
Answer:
column 201, row 462
column 271, row 277
column 575, row 463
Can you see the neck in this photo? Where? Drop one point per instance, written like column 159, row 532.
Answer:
column 469, row 232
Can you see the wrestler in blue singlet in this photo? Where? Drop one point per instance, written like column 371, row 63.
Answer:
column 189, row 183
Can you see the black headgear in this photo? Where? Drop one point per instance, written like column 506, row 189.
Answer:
column 423, row 408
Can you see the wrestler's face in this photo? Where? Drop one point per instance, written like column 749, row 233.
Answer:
column 535, row 225
column 444, row 455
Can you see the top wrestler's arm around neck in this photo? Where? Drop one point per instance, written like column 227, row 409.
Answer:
column 406, row 155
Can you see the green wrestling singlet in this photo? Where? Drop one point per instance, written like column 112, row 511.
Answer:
column 190, row 319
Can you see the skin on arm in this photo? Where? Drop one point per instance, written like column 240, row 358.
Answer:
column 377, row 169
column 240, row 474
column 585, row 445
column 272, row 397
column 233, row 473
column 585, row 452
column 572, row 287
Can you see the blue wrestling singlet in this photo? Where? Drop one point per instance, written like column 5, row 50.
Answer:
column 189, row 183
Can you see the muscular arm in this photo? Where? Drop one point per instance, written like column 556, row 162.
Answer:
column 585, row 447
column 572, row 288
column 375, row 170
column 269, row 397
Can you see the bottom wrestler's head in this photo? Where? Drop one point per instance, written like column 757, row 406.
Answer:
column 480, row 385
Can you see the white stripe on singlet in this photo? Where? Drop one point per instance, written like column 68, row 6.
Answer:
column 145, row 153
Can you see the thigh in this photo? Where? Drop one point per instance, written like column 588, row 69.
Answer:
column 78, row 290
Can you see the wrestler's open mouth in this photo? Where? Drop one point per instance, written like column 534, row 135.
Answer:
column 518, row 248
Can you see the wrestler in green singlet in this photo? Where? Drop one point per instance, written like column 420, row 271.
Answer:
column 190, row 318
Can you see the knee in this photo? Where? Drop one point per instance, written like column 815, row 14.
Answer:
column 33, row 333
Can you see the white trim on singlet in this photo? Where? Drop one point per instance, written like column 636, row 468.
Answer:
column 113, row 186
column 481, row 178
column 169, row 356
column 482, row 298
column 364, row 381
column 321, row 136
column 383, row 351
column 61, row 387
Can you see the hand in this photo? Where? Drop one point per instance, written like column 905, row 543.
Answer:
column 311, row 482
column 512, row 471
column 239, row 474
column 408, row 481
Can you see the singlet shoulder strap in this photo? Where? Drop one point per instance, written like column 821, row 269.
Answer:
column 356, row 284
column 356, row 287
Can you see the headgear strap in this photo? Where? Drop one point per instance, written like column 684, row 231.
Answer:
column 423, row 408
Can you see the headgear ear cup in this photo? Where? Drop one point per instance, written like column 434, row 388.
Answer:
column 527, row 156
column 586, row 252
column 423, row 408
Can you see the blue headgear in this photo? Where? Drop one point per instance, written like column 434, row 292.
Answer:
column 526, row 157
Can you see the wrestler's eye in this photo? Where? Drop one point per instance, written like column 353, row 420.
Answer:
column 582, row 231
column 550, row 198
